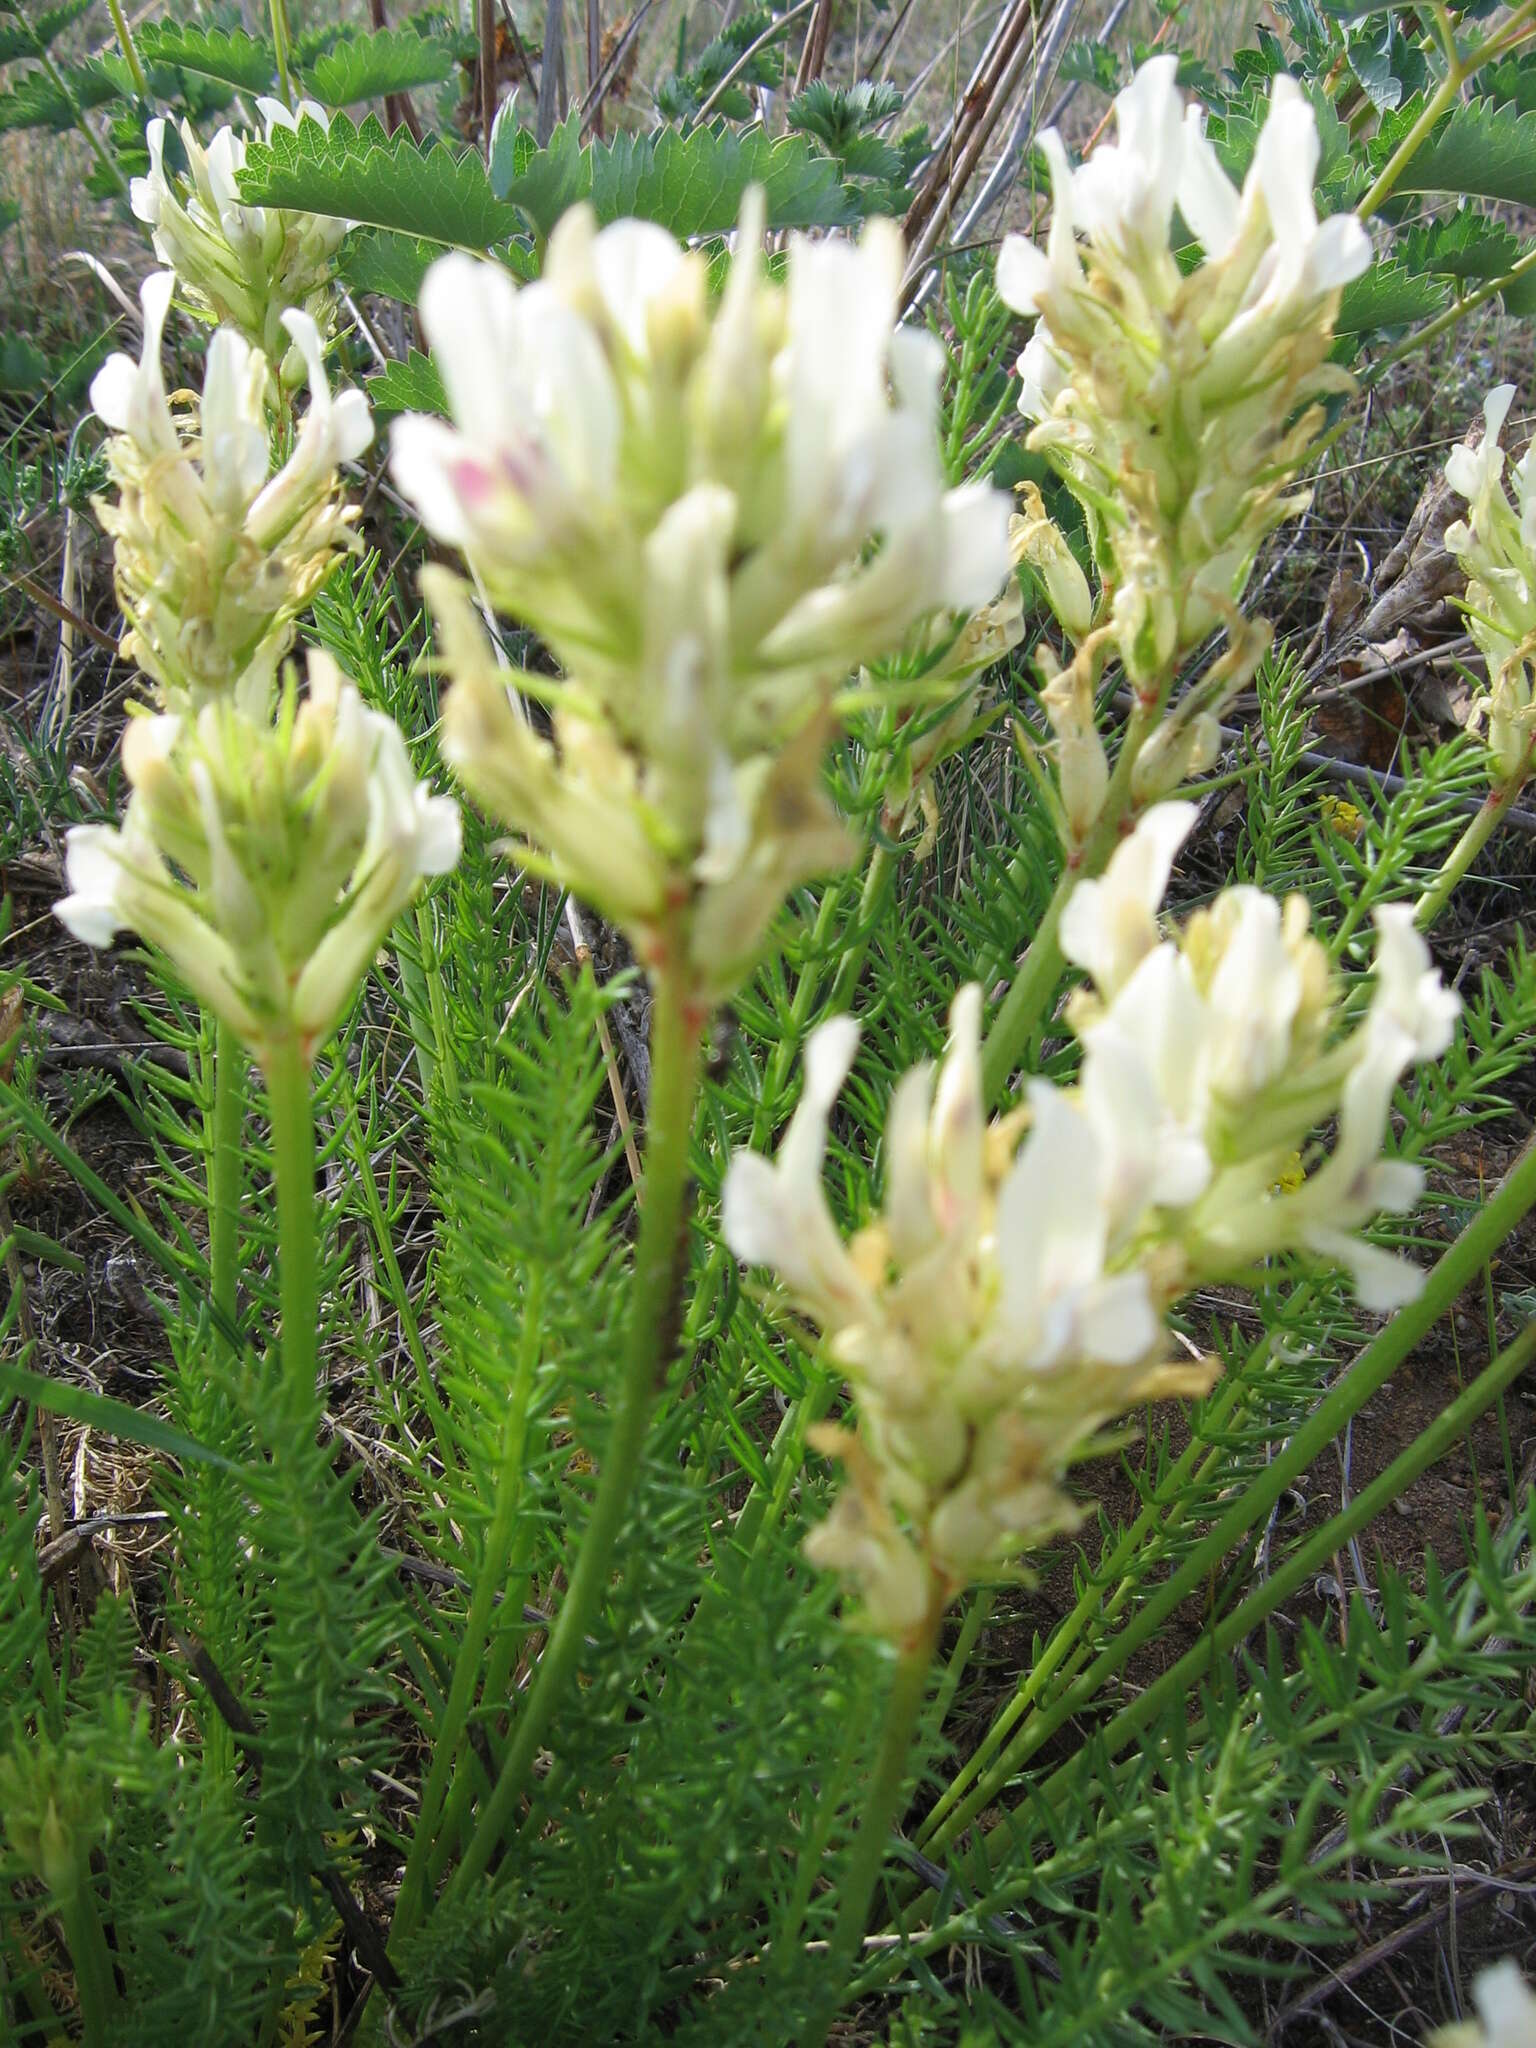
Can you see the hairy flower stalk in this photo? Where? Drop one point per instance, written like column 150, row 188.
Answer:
column 266, row 860
column 215, row 555
column 242, row 266
column 711, row 518
column 1177, row 408
column 1008, row 1302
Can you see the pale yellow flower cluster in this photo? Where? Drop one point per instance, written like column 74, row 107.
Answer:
column 1008, row 1301
column 216, row 556
column 711, row 515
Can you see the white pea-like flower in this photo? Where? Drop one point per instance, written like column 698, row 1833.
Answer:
column 712, row 517
column 1496, row 544
column 1178, row 407
column 215, row 556
column 1008, row 1300
column 243, row 266
column 266, row 859
column 989, row 1321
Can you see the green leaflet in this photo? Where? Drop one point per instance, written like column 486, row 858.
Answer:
column 1390, row 294
column 100, row 1411
column 411, row 386
column 393, row 265
column 227, row 54
column 1481, row 150
column 38, row 101
column 367, row 67
column 29, row 38
column 378, row 180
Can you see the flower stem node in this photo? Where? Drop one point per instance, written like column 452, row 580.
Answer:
column 266, row 860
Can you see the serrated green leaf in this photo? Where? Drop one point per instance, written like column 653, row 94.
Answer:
column 31, row 38
column 693, row 184
column 378, row 180
column 540, row 183
column 1468, row 245
column 1511, row 82
column 369, row 66
column 1477, row 150
column 411, row 386
column 1389, row 295
column 227, row 54
column 391, row 265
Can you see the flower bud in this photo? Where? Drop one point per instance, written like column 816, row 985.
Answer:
column 1039, row 543
column 1178, row 750
column 1082, row 767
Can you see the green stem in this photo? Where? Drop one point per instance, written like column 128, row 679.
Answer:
column 224, row 1128
column 1375, row 1365
column 57, row 79
column 95, row 1984
column 1415, row 343
column 1323, row 1544
column 490, row 1580
column 1035, row 983
column 225, row 1133
column 277, row 12
column 126, row 45
column 1444, row 96
column 1026, row 1000
column 882, row 1803
column 293, row 1169
column 675, row 1061
column 1458, row 861
column 878, row 881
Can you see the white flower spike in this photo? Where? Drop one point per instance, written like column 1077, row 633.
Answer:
column 1179, row 409
column 1496, row 543
column 215, row 557
column 1008, row 1301
column 711, row 521
column 242, row 266
column 265, row 860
